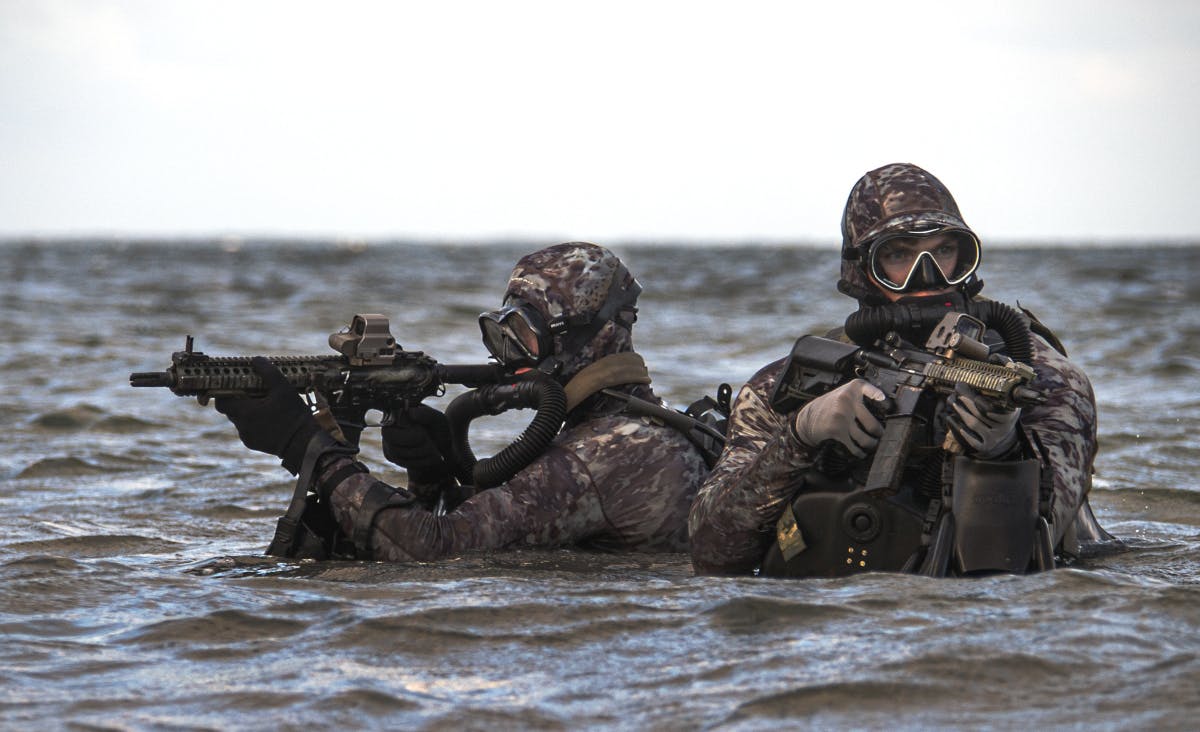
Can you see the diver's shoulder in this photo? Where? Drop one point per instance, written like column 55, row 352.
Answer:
column 621, row 431
column 763, row 380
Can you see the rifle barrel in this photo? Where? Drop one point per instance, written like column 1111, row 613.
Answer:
column 151, row 378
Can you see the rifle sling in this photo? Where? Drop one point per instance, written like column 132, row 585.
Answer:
column 320, row 445
column 685, row 423
column 285, row 530
column 628, row 368
column 378, row 497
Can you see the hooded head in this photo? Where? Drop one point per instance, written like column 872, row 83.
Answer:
column 898, row 200
column 578, row 299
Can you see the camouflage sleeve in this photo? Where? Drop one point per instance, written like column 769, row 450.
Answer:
column 1066, row 426
column 733, row 519
column 550, row 503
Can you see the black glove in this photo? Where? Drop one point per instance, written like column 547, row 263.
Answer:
column 279, row 423
column 351, row 422
column 418, row 440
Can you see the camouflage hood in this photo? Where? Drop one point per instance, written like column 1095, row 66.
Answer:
column 885, row 202
column 573, row 283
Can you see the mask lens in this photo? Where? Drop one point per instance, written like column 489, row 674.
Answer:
column 493, row 338
column 967, row 259
column 523, row 332
column 929, row 261
column 510, row 337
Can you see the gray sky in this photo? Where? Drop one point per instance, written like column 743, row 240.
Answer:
column 604, row 121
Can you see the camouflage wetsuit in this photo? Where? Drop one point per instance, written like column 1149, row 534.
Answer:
column 609, row 480
column 733, row 520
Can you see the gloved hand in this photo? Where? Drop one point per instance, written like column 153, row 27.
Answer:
column 842, row 415
column 986, row 429
column 279, row 423
column 418, row 440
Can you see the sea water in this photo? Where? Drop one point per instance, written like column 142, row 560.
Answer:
column 134, row 594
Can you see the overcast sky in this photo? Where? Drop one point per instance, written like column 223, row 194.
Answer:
column 604, row 121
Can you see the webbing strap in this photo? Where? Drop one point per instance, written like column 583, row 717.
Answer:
column 612, row 370
column 574, row 331
column 378, row 497
column 285, row 529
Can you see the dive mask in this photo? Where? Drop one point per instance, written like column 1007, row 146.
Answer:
column 516, row 334
column 929, row 259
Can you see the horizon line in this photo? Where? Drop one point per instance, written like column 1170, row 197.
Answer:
column 354, row 240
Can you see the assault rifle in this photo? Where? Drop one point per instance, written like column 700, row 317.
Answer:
column 953, row 354
column 371, row 372
column 374, row 372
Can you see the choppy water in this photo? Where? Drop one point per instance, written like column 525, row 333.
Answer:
column 132, row 593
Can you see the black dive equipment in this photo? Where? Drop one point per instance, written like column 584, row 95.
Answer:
column 516, row 335
column 917, row 506
column 535, row 391
column 914, row 318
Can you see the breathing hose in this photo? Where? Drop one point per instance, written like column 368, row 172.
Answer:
column 543, row 394
column 912, row 320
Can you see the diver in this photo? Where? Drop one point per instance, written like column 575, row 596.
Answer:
column 612, row 479
column 788, row 498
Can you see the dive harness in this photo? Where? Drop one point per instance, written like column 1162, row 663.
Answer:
column 960, row 516
column 703, row 423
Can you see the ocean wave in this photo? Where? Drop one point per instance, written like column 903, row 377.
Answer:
column 234, row 512
column 222, row 627
column 124, row 424
column 98, row 545
column 554, row 623
column 73, row 418
column 61, row 467
column 38, row 565
column 754, row 614
column 824, row 704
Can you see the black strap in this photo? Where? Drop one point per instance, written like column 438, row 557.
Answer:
column 704, row 436
column 319, row 445
column 1043, row 330
column 573, row 332
column 336, row 479
column 1046, row 495
column 285, row 530
column 379, row 496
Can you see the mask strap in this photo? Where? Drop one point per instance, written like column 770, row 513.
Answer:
column 573, row 332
